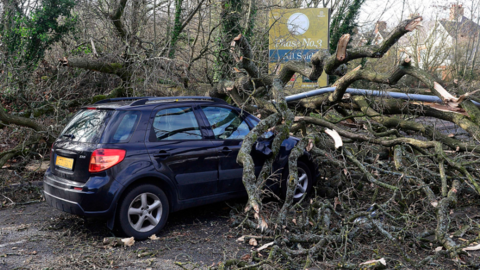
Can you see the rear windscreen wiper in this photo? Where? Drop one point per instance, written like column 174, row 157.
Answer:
column 71, row 136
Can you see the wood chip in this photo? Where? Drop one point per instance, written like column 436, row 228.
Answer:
column 265, row 246
column 335, row 136
column 382, row 261
column 477, row 247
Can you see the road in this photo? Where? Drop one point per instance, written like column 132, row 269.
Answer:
column 37, row 236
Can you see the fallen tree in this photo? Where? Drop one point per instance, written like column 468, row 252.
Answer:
column 418, row 157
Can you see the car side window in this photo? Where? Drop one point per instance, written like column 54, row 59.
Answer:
column 175, row 124
column 226, row 123
column 126, row 126
column 253, row 120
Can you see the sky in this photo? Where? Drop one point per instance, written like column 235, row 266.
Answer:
column 393, row 11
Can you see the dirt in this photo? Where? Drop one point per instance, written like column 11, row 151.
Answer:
column 37, row 236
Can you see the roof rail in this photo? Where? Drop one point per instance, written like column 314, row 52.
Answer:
column 119, row 99
column 176, row 99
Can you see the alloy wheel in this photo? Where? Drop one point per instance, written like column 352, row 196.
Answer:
column 302, row 185
column 144, row 212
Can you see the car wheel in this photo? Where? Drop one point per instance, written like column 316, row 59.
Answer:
column 143, row 211
column 305, row 182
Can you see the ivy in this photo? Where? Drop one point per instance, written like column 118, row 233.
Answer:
column 344, row 21
column 26, row 36
column 231, row 15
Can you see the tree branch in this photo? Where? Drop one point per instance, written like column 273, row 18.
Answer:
column 116, row 18
column 372, row 51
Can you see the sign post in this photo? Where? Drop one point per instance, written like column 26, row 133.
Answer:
column 296, row 34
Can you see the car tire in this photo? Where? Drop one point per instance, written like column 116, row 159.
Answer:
column 305, row 182
column 143, row 211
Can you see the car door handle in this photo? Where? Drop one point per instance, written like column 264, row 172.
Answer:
column 226, row 150
column 162, row 154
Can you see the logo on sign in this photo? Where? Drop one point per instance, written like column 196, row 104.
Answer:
column 298, row 24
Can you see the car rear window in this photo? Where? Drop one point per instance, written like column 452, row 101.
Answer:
column 86, row 126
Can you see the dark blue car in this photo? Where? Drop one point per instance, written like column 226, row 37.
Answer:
column 135, row 160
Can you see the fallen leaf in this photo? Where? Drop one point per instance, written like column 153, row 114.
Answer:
column 245, row 257
column 382, row 261
column 241, row 239
column 33, row 252
column 153, row 237
column 128, row 242
column 438, row 249
column 336, row 202
column 434, row 203
column 253, row 242
column 294, row 221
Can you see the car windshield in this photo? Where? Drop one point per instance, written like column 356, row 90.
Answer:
column 86, row 126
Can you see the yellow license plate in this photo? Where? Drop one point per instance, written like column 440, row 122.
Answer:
column 64, row 162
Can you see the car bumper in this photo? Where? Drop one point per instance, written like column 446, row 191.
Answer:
column 96, row 197
column 63, row 204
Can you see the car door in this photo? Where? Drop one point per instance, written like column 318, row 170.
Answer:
column 229, row 129
column 178, row 149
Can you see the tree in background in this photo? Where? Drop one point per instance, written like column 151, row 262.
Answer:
column 231, row 26
column 344, row 21
column 26, row 34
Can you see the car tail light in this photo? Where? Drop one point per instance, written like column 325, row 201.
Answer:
column 103, row 159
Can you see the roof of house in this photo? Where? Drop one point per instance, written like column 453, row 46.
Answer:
column 463, row 27
column 361, row 39
column 383, row 33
